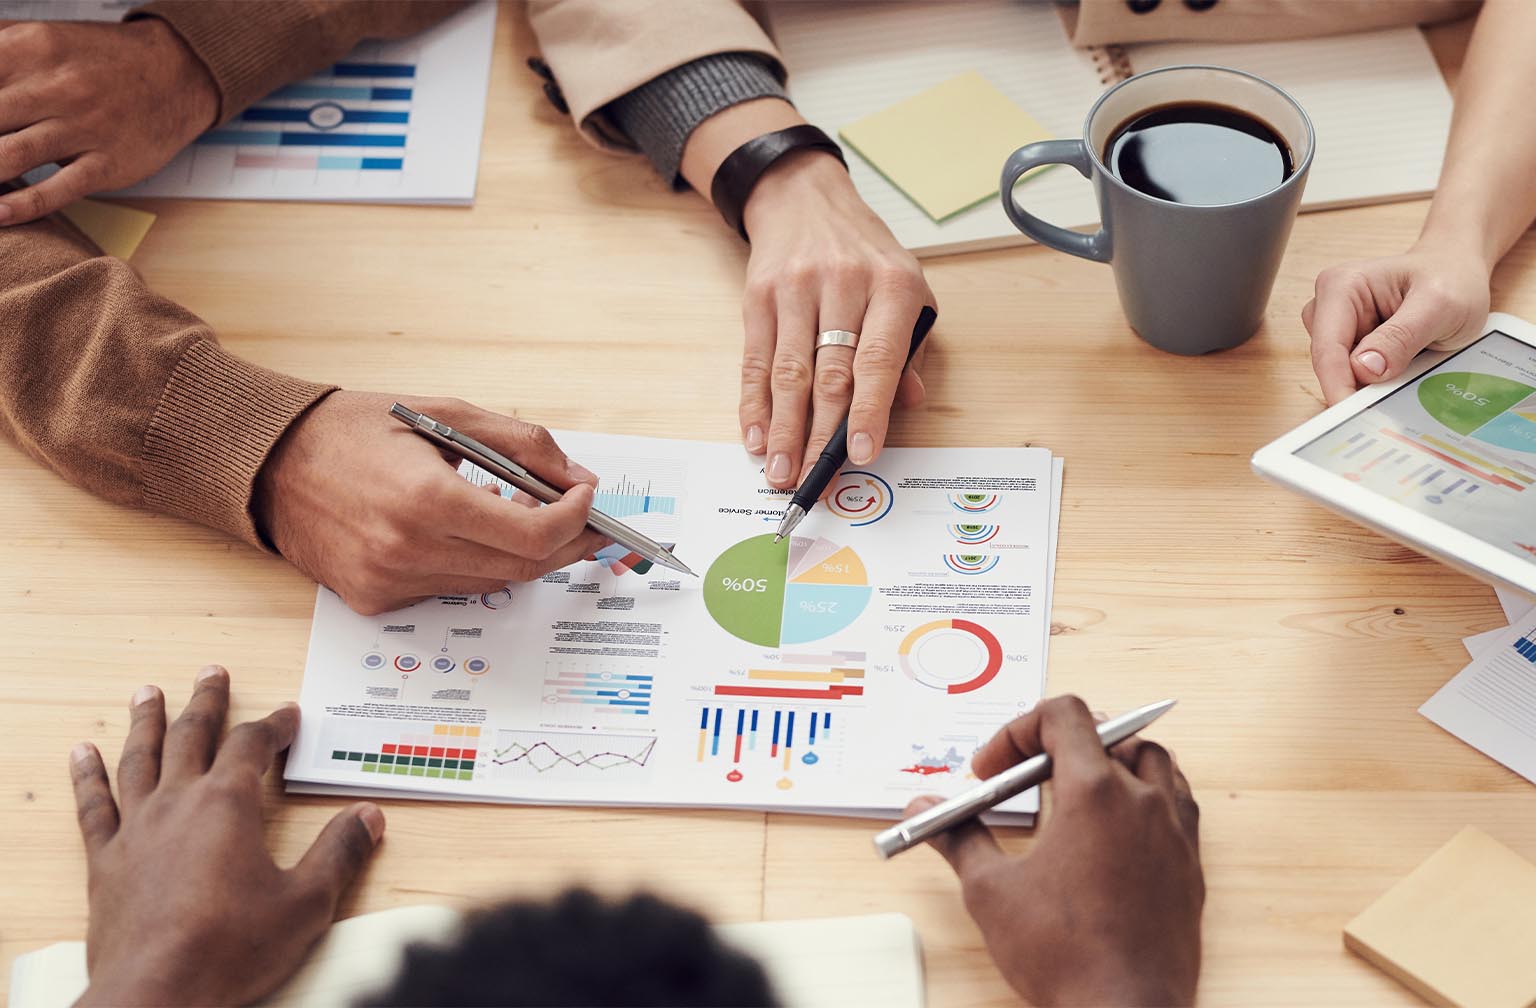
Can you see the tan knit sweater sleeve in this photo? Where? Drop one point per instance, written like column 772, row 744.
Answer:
column 126, row 394
column 119, row 390
column 254, row 47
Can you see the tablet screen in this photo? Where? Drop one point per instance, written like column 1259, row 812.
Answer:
column 1458, row 444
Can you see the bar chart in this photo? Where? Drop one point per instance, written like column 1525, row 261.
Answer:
column 835, row 676
column 391, row 122
column 577, row 688
column 748, row 737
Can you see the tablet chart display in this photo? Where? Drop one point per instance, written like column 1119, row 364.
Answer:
column 1457, row 444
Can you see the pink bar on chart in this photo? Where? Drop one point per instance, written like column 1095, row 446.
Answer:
column 310, row 162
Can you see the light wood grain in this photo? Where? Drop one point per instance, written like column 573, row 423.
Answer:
column 1299, row 644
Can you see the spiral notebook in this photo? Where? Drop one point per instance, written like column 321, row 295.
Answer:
column 1377, row 101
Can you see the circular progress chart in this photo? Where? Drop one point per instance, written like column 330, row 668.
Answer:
column 791, row 592
column 953, row 655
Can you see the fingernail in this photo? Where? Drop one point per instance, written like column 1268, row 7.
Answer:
column 289, row 705
column 1373, row 362
column 81, row 753
column 210, row 672
column 144, row 695
column 373, row 819
column 862, row 448
column 579, row 472
column 778, row 469
column 754, row 439
column 5, row 214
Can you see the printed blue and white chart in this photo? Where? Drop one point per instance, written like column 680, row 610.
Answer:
column 393, row 122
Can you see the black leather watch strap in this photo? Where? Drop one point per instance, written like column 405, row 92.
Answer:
column 738, row 174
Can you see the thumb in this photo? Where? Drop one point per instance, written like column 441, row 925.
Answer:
column 1387, row 350
column 341, row 851
column 967, row 847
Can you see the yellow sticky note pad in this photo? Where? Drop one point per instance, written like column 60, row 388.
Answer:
column 945, row 147
column 116, row 230
column 1458, row 930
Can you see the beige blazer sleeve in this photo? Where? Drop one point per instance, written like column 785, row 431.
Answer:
column 1106, row 22
column 601, row 49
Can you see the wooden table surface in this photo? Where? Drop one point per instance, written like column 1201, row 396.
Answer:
column 1299, row 644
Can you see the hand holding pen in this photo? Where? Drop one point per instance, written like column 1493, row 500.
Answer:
column 1104, row 907
column 380, row 517
column 835, row 454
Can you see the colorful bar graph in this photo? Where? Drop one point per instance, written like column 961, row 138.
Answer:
column 835, row 679
column 619, row 692
column 1448, row 460
column 1526, row 648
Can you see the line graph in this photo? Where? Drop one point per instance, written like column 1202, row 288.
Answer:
column 543, row 752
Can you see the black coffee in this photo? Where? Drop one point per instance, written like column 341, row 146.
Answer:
column 1198, row 153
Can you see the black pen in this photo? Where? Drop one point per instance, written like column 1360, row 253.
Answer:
column 835, row 455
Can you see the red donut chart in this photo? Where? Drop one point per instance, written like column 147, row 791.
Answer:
column 942, row 639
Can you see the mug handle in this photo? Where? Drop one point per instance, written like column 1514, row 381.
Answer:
column 1068, row 152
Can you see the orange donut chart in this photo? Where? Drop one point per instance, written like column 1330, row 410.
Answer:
column 983, row 669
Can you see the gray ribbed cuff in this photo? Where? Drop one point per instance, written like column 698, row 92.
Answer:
column 662, row 113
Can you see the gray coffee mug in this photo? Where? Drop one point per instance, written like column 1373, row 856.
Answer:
column 1192, row 279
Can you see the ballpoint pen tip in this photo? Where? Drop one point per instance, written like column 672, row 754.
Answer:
column 777, row 537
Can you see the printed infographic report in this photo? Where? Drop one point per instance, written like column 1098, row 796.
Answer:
column 1458, row 444
column 391, row 122
column 846, row 669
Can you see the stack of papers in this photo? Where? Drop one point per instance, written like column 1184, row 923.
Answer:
column 1491, row 704
column 853, row 666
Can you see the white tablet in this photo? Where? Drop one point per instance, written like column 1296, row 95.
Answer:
column 1442, row 460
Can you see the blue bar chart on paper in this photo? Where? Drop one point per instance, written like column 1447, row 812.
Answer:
column 595, row 691
column 761, row 737
column 391, row 122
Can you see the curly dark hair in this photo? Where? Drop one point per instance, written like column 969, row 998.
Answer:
column 580, row 950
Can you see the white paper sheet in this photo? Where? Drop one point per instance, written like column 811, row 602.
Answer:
column 900, row 627
column 1491, row 704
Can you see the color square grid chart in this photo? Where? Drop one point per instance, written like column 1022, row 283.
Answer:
column 448, row 752
column 392, row 122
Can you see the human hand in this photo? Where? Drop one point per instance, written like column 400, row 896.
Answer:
column 186, row 905
column 111, row 103
column 1368, row 319
column 378, row 515
column 822, row 260
column 1105, row 907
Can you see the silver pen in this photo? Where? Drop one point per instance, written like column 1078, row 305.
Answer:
column 996, row 790
column 493, row 462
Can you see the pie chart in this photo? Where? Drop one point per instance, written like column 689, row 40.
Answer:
column 791, row 592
